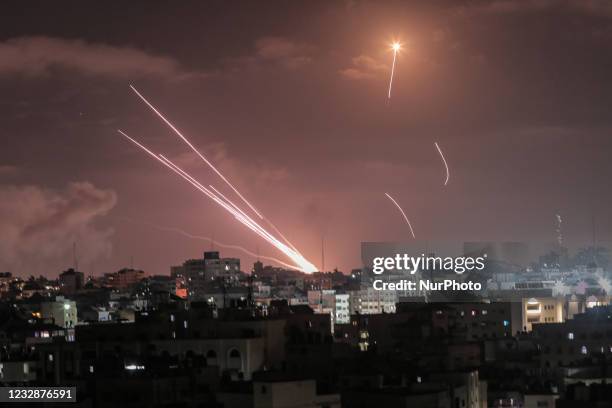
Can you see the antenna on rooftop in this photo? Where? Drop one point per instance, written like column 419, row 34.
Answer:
column 322, row 253
column 75, row 260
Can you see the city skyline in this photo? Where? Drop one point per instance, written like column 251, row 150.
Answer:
column 290, row 102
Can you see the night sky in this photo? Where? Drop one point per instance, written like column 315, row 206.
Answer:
column 289, row 100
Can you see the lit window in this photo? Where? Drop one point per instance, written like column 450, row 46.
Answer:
column 570, row 336
column 171, row 317
column 584, row 350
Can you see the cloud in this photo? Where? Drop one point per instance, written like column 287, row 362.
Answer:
column 8, row 170
column 38, row 56
column 595, row 8
column 282, row 51
column 38, row 226
column 364, row 67
column 254, row 173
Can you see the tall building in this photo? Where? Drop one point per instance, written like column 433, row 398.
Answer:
column 216, row 267
column 128, row 277
column 258, row 268
column 342, row 312
column 196, row 276
column 71, row 281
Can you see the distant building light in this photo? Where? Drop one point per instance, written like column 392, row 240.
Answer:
column 506, row 323
column 134, row 367
column 584, row 350
column 66, row 306
column 570, row 336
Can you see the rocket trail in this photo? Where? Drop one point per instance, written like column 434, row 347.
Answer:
column 265, row 219
column 296, row 256
column 175, row 130
column 444, row 161
column 395, row 47
column 280, row 234
column 403, row 213
column 300, row 262
column 221, row 244
column 196, row 151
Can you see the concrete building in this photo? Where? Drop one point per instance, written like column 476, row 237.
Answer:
column 541, row 310
column 238, row 357
column 342, row 312
column 225, row 268
column 128, row 277
column 17, row 372
column 61, row 312
column 540, row 400
column 71, row 281
column 370, row 301
column 285, row 393
column 586, row 336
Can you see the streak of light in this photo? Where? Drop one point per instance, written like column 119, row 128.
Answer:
column 220, row 244
column 196, row 151
column 395, row 47
column 175, row 130
column 403, row 213
column 300, row 262
column 280, row 234
column 244, row 219
column 444, row 161
column 265, row 219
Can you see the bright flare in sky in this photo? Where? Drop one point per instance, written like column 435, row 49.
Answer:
column 396, row 46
